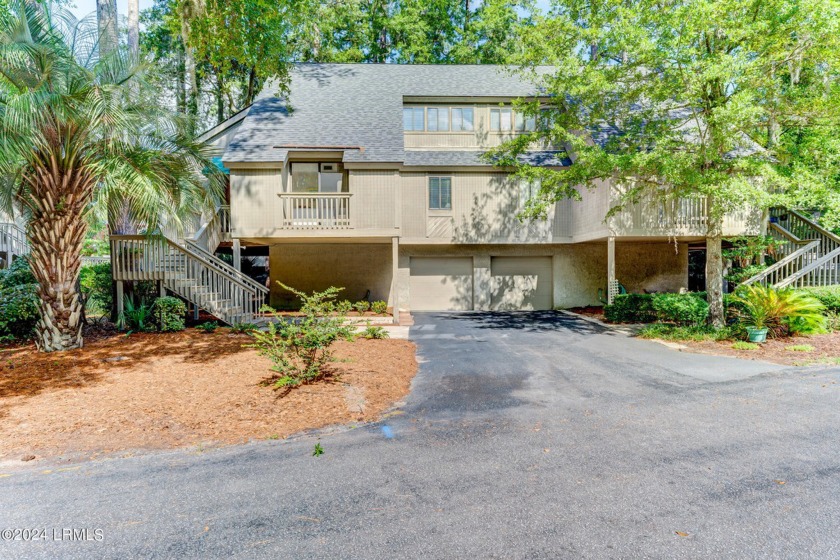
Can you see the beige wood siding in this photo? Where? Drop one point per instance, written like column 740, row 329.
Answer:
column 373, row 204
column 254, row 204
column 521, row 283
column 484, row 210
column 441, row 283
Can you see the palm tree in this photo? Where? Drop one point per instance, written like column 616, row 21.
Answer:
column 73, row 126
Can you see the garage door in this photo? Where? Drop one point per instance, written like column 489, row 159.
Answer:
column 441, row 284
column 521, row 283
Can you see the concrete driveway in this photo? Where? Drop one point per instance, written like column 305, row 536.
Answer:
column 525, row 436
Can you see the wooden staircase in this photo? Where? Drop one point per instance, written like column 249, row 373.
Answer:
column 189, row 269
column 808, row 254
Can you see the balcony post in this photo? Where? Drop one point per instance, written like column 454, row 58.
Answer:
column 395, row 285
column 237, row 255
column 612, row 282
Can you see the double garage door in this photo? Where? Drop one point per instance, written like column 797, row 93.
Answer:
column 447, row 284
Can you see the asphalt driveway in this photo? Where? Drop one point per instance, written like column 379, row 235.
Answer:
column 525, row 436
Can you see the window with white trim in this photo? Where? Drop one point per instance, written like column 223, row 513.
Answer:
column 525, row 123
column 440, row 193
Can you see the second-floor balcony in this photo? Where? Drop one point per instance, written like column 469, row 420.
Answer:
column 318, row 211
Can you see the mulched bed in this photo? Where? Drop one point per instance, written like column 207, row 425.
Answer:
column 826, row 350
column 157, row 391
column 590, row 311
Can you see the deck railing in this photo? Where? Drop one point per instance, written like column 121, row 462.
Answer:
column 315, row 211
column 824, row 271
column 13, row 240
column 774, row 275
column 656, row 215
column 188, row 273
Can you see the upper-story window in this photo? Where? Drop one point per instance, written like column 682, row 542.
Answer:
column 504, row 119
column 462, row 119
column 413, row 118
column 440, row 193
column 437, row 119
column 501, row 119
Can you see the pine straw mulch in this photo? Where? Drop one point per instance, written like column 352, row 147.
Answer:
column 826, row 350
column 158, row 391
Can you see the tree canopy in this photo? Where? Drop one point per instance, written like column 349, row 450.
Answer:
column 721, row 99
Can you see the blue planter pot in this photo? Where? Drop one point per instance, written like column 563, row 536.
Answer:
column 756, row 335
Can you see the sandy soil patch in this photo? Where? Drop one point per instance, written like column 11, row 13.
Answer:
column 826, row 350
column 157, row 391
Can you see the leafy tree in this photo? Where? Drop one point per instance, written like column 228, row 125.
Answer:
column 688, row 94
column 72, row 125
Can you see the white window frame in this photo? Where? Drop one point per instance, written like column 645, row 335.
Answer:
column 461, row 109
column 413, row 109
column 501, row 111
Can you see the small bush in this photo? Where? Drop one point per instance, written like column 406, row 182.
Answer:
column 243, row 328
column 96, row 284
column 343, row 307
column 630, row 308
column 208, row 327
column 379, row 307
column 832, row 321
column 169, row 314
column 18, row 311
column 375, row 332
column 361, row 306
column 695, row 333
column 800, row 348
column 683, row 309
column 829, row 296
column 136, row 317
column 783, row 312
column 741, row 345
column 300, row 347
column 18, row 274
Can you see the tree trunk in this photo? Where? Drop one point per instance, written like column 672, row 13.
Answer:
column 106, row 18
column 252, row 87
column 180, row 85
column 134, row 27
column 58, row 201
column 220, row 97
column 192, row 100
column 714, row 270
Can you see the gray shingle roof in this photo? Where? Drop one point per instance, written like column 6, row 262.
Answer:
column 436, row 158
column 358, row 108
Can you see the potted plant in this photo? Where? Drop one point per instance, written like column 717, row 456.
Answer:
column 756, row 303
column 764, row 308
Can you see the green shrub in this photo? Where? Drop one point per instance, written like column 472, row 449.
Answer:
column 96, row 284
column 136, row 317
column 361, row 306
column 683, row 309
column 379, row 307
column 375, row 332
column 344, row 306
column 832, row 321
column 630, row 308
column 300, row 347
column 829, row 296
column 696, row 333
column 781, row 311
column 741, row 345
column 18, row 274
column 18, row 311
column 265, row 308
column 243, row 328
column 738, row 275
column 208, row 327
column 169, row 313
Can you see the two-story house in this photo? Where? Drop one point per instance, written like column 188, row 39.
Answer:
column 369, row 177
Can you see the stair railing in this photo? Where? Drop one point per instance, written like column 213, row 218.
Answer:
column 225, row 267
column 824, row 271
column 188, row 273
column 789, row 265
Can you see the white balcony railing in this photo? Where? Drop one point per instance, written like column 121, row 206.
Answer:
column 315, row 211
